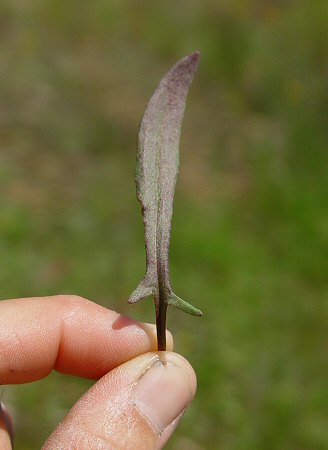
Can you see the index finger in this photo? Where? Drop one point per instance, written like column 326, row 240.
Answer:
column 69, row 334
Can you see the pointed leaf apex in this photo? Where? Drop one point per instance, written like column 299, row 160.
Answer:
column 195, row 56
column 177, row 302
column 141, row 292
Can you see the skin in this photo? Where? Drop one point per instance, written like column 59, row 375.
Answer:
column 76, row 336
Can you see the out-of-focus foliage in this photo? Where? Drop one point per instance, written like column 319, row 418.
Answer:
column 250, row 229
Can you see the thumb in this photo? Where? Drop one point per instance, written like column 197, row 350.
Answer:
column 136, row 405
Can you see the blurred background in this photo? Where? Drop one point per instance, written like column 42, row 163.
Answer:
column 250, row 227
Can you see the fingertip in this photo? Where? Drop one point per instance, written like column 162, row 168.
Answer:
column 184, row 365
column 136, row 405
column 165, row 390
column 150, row 329
column 6, row 428
column 169, row 341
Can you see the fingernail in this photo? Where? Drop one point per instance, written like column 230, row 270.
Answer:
column 163, row 393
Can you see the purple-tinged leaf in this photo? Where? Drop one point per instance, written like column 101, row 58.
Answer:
column 156, row 172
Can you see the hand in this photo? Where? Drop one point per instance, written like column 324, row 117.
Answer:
column 139, row 399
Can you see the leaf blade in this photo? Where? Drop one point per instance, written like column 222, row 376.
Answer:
column 156, row 172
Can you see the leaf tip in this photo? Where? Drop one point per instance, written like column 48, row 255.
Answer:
column 192, row 60
column 178, row 303
column 142, row 291
column 195, row 56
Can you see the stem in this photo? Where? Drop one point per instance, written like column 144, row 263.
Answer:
column 161, row 303
column 161, row 308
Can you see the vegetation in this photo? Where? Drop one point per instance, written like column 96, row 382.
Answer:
column 249, row 240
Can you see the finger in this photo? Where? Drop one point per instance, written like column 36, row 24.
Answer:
column 6, row 429
column 136, row 406
column 69, row 334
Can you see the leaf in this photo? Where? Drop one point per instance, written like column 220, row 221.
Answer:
column 156, row 172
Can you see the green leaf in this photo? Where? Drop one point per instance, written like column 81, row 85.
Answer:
column 177, row 302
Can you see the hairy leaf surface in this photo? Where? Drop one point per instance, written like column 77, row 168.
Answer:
column 156, row 173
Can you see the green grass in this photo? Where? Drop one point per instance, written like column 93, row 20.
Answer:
column 249, row 240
